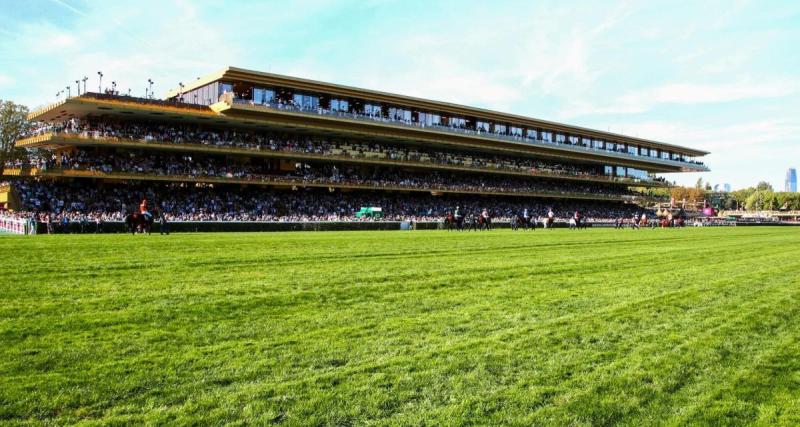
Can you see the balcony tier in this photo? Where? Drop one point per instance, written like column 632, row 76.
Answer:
column 60, row 140
column 296, row 183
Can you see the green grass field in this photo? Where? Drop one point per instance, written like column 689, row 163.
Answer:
column 597, row 327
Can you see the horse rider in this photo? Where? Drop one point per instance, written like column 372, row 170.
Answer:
column 485, row 214
column 143, row 209
column 526, row 215
column 457, row 213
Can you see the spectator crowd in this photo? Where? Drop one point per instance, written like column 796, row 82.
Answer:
column 75, row 202
column 265, row 141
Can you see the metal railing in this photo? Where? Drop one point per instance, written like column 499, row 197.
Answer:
column 360, row 157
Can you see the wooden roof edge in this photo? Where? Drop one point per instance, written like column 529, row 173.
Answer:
column 236, row 73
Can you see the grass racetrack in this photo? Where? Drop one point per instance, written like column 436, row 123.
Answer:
column 595, row 327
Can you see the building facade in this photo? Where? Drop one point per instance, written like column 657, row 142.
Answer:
column 247, row 145
column 790, row 184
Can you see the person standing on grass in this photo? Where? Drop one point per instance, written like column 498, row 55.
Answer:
column 164, row 225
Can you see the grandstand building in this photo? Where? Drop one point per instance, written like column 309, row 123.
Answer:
column 241, row 144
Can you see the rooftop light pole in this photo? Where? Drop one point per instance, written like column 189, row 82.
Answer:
column 100, row 84
column 150, row 85
column 113, row 88
column 84, row 83
column 180, row 93
column 78, row 84
column 69, row 92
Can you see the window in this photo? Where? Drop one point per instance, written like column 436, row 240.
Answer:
column 665, row 155
column 500, row 129
column 608, row 170
column 633, row 150
column 653, row 153
column 225, row 87
column 620, row 171
column 458, row 122
column 547, row 136
column 339, row 105
column 263, row 96
column 532, row 134
column 597, row 144
column 644, row 151
column 372, row 110
column 306, row 102
column 637, row 173
column 560, row 138
column 516, row 131
column 482, row 126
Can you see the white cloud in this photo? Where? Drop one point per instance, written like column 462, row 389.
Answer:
column 742, row 153
column 686, row 94
column 6, row 80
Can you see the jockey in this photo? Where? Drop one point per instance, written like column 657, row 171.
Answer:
column 457, row 212
column 485, row 214
column 143, row 209
column 525, row 214
column 550, row 213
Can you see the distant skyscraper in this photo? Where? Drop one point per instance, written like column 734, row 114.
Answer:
column 727, row 187
column 791, row 180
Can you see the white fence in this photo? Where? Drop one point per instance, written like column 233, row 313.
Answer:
column 15, row 226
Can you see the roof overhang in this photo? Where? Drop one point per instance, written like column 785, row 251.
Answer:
column 234, row 74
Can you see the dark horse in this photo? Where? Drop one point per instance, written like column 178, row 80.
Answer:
column 452, row 222
column 484, row 223
column 138, row 222
column 520, row 221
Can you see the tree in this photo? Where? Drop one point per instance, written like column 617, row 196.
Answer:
column 764, row 186
column 13, row 123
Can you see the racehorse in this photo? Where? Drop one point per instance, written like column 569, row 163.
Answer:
column 518, row 221
column 453, row 222
column 547, row 222
column 471, row 223
column 138, row 222
column 484, row 223
column 577, row 222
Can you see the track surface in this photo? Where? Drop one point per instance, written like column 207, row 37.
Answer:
column 593, row 327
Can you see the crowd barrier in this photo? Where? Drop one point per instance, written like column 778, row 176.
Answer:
column 261, row 226
column 15, row 226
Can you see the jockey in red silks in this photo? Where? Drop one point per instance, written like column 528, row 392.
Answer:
column 143, row 208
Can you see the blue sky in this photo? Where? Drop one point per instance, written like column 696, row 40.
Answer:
column 721, row 76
